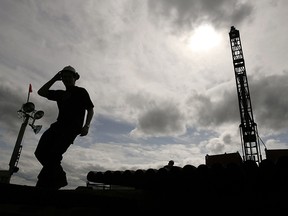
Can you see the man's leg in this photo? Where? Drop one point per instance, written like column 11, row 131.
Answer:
column 60, row 179
column 52, row 177
column 49, row 153
column 52, row 145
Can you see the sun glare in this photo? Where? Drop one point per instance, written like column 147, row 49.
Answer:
column 204, row 38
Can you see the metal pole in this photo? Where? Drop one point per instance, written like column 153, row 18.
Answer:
column 17, row 148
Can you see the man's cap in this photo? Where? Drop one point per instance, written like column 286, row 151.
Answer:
column 71, row 69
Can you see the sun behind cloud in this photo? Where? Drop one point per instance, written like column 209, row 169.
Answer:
column 203, row 38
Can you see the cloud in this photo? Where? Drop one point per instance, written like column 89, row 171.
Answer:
column 161, row 120
column 270, row 101
column 186, row 14
column 218, row 108
column 9, row 105
column 268, row 98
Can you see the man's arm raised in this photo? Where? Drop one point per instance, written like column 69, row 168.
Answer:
column 43, row 91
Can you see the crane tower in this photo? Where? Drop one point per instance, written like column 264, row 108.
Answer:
column 248, row 128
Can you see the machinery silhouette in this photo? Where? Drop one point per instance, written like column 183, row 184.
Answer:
column 29, row 116
column 248, row 128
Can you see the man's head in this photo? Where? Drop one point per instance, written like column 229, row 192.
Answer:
column 171, row 163
column 70, row 70
column 69, row 76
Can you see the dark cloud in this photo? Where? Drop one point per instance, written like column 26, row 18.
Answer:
column 186, row 14
column 269, row 102
column 11, row 102
column 162, row 121
column 214, row 113
column 227, row 139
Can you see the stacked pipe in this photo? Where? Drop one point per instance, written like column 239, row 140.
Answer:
column 215, row 177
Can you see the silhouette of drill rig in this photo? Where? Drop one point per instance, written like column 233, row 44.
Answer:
column 248, row 128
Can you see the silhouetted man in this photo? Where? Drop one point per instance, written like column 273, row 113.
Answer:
column 169, row 165
column 74, row 104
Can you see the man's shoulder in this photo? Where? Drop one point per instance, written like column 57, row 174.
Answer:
column 79, row 88
column 81, row 91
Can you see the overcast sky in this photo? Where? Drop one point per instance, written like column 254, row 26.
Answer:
column 160, row 75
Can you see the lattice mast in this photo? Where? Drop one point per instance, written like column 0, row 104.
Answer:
column 248, row 128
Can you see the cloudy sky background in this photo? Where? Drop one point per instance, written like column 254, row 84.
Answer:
column 160, row 74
